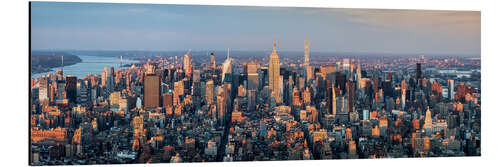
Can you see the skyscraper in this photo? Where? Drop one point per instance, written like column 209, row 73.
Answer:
column 209, row 94
column 253, row 75
column 43, row 90
column 168, row 100
column 403, row 94
column 358, row 74
column 334, row 101
column 428, row 119
column 451, row 89
column 71, row 88
column 350, row 91
column 306, row 52
column 419, row 71
column 346, row 67
column 226, row 66
column 104, row 76
column 151, row 91
column 187, row 64
column 212, row 61
column 274, row 73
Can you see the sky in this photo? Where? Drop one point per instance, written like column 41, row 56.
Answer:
column 164, row 27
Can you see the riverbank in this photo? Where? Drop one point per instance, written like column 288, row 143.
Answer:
column 90, row 65
column 44, row 61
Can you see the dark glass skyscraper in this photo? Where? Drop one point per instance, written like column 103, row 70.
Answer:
column 419, row 71
column 71, row 88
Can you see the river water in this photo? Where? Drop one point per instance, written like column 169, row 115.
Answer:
column 89, row 65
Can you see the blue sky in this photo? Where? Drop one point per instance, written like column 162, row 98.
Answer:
column 162, row 27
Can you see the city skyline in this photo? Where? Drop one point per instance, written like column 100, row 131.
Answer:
column 103, row 26
column 169, row 108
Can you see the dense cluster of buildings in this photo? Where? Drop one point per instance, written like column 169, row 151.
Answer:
column 166, row 111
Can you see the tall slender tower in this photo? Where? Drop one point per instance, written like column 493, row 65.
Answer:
column 274, row 73
column 358, row 74
column 187, row 63
column 403, row 94
column 62, row 65
column 451, row 89
column 306, row 52
column 334, row 101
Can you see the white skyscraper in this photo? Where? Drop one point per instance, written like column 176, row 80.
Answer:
column 226, row 66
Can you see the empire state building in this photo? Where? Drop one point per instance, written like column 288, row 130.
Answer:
column 274, row 73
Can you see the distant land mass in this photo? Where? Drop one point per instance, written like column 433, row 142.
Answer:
column 42, row 61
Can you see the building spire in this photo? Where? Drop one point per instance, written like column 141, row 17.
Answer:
column 274, row 45
column 227, row 53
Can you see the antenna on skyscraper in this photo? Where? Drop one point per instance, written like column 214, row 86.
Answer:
column 62, row 64
column 227, row 53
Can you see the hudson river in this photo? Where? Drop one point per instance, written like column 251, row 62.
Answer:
column 89, row 65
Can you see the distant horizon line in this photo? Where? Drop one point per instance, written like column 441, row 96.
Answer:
column 239, row 50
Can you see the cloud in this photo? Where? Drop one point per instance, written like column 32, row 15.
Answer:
column 448, row 21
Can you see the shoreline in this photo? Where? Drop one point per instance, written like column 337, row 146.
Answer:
column 38, row 73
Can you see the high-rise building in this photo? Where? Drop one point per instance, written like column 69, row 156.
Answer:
column 346, row 66
column 114, row 99
column 167, row 100
column 71, row 88
column 451, row 89
column 196, row 76
column 461, row 91
column 213, row 65
column 252, row 95
column 306, row 52
column 209, row 94
column 112, row 72
column 104, row 76
column 428, row 119
column 178, row 91
column 334, row 101
column 403, row 94
column 306, row 96
column 358, row 74
column 253, row 75
column 187, row 64
column 327, row 71
column 61, row 90
column 419, row 71
column 310, row 72
column 226, row 66
column 366, row 114
column 350, row 97
column 43, row 90
column 151, row 91
column 274, row 73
